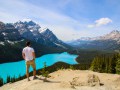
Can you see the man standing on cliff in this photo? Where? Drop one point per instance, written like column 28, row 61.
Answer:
column 29, row 57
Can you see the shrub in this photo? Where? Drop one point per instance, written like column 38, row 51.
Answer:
column 44, row 72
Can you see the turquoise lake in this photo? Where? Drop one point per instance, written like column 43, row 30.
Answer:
column 18, row 68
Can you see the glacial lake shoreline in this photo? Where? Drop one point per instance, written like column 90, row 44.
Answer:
column 18, row 68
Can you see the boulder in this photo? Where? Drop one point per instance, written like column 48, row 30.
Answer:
column 93, row 80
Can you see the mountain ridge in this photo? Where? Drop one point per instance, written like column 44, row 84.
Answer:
column 112, row 33
column 110, row 41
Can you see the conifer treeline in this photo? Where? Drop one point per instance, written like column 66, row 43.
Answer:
column 11, row 79
column 106, row 63
column 14, row 79
column 1, row 81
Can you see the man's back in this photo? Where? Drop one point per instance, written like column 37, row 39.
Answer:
column 29, row 55
column 28, row 51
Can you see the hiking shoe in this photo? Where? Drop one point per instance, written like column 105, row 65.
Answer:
column 28, row 79
column 35, row 78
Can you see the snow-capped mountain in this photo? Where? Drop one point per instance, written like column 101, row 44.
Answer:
column 109, row 41
column 32, row 31
column 27, row 29
column 114, row 35
column 50, row 35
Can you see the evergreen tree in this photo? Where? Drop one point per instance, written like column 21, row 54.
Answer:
column 118, row 66
column 1, row 81
column 19, row 78
column 44, row 72
column 8, row 79
column 13, row 79
column 110, row 66
column 105, row 63
column 94, row 66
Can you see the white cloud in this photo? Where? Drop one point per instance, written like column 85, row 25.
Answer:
column 103, row 21
column 100, row 22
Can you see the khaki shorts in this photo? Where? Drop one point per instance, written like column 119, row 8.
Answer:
column 30, row 63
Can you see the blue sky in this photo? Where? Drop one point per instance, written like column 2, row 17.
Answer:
column 68, row 19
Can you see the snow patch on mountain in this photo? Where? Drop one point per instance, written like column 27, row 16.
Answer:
column 60, row 45
column 11, row 42
column 44, row 30
column 4, row 33
column 2, row 43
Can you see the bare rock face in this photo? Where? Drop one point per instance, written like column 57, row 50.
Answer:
column 93, row 80
column 76, row 82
